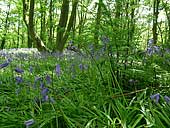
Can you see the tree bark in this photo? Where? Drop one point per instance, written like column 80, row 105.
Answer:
column 62, row 25
column 167, row 11
column 33, row 38
column 50, row 37
column 155, row 20
column 43, row 20
column 97, row 24
column 71, row 22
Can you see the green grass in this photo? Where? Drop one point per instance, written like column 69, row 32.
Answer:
column 94, row 97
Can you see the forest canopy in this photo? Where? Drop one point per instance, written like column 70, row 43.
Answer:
column 51, row 24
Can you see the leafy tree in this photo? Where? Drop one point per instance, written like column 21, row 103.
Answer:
column 32, row 35
column 6, row 26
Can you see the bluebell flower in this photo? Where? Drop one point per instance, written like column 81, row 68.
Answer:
column 37, row 80
column 18, row 70
column 18, row 79
column 81, row 66
column 149, row 51
column 44, row 94
column 28, row 123
column 44, row 91
column 4, row 65
column 48, row 79
column 42, row 84
column 45, row 98
column 105, row 39
column 155, row 97
column 9, row 60
column 92, row 49
column 30, row 69
column 150, row 42
column 58, row 70
column 167, row 99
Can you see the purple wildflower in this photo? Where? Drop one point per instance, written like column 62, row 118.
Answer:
column 31, row 69
column 28, row 123
column 9, row 60
column 58, row 70
column 81, row 66
column 42, row 84
column 105, row 39
column 44, row 94
column 48, row 79
column 18, row 79
column 4, row 65
column 155, row 97
column 150, row 42
column 45, row 98
column 18, row 70
column 92, row 49
column 150, row 51
column 38, row 79
column 167, row 99
column 44, row 91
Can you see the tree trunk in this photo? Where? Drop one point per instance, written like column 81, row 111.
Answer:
column 62, row 25
column 97, row 24
column 62, row 31
column 32, row 35
column 167, row 11
column 71, row 22
column 50, row 38
column 18, row 32
column 155, row 20
column 43, row 20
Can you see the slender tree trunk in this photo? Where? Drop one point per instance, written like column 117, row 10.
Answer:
column 31, row 23
column 50, row 38
column 18, row 32
column 97, row 24
column 32, row 35
column 155, row 20
column 71, row 22
column 25, row 16
column 132, row 22
column 43, row 20
column 167, row 11
column 62, row 25
column 82, row 18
